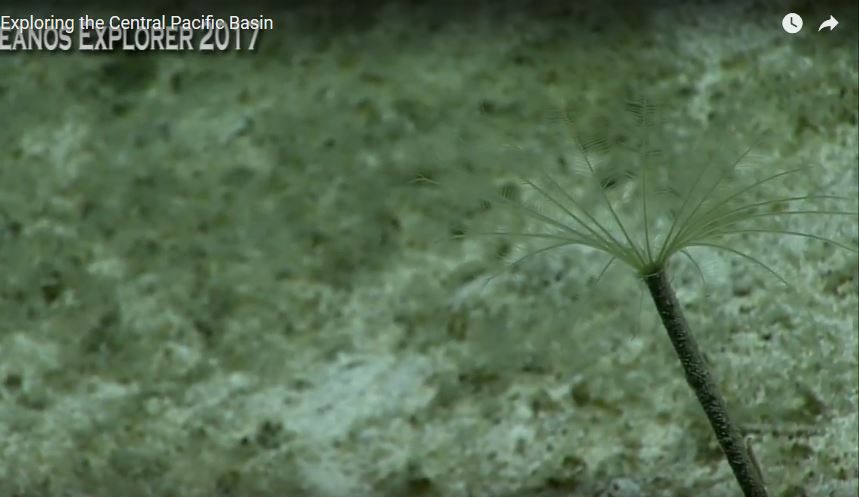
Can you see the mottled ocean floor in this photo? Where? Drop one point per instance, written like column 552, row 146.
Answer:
column 220, row 276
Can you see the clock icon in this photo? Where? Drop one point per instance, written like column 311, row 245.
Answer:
column 792, row 23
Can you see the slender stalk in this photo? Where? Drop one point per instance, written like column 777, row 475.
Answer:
column 730, row 438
